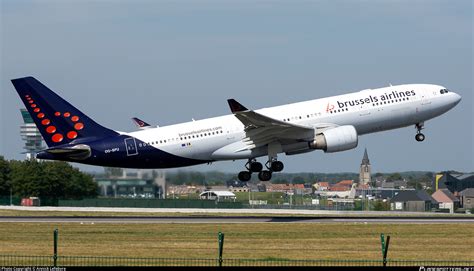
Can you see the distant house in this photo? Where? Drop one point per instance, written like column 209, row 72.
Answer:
column 413, row 201
column 321, row 186
column 180, row 190
column 446, row 200
column 346, row 183
column 239, row 189
column 388, row 193
column 218, row 195
column 467, row 198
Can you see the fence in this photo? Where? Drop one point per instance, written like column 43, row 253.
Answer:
column 149, row 203
column 16, row 260
column 134, row 203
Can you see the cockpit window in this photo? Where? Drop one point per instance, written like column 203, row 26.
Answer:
column 443, row 91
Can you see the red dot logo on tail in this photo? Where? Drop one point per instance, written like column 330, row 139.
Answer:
column 72, row 134
column 67, row 114
column 74, row 118
column 45, row 122
column 57, row 138
column 57, row 114
column 33, row 105
column 36, row 110
column 51, row 129
column 78, row 126
column 40, row 115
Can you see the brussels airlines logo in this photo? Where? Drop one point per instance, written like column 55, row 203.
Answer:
column 394, row 95
column 47, row 123
column 330, row 107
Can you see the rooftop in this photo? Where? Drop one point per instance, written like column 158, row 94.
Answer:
column 444, row 195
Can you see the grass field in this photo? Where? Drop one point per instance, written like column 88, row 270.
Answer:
column 259, row 240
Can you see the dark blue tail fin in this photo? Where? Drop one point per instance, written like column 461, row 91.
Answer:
column 58, row 121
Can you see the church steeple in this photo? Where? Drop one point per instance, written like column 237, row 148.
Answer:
column 365, row 169
column 365, row 159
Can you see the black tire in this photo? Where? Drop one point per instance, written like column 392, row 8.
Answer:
column 276, row 166
column 244, row 176
column 265, row 175
column 420, row 137
column 256, row 167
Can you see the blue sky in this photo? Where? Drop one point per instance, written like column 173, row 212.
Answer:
column 170, row 61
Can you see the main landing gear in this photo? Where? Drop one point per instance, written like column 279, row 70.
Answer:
column 263, row 175
column 419, row 136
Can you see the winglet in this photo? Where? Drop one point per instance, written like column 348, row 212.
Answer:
column 140, row 123
column 236, row 106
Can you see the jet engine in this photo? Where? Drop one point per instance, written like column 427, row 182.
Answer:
column 335, row 139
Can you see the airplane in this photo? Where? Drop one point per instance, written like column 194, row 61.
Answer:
column 331, row 124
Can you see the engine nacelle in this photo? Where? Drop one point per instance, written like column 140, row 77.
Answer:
column 336, row 139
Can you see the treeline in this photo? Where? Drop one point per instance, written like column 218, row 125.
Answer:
column 220, row 178
column 51, row 180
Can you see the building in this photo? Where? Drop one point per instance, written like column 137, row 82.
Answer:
column 467, row 198
column 128, row 188
column 118, row 183
column 31, row 135
column 365, row 170
column 321, row 186
column 388, row 193
column 218, row 195
column 344, row 185
column 298, row 189
column 175, row 191
column 413, row 201
column 446, row 200
column 454, row 182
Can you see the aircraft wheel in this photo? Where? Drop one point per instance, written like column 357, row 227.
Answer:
column 265, row 175
column 276, row 166
column 244, row 176
column 420, row 137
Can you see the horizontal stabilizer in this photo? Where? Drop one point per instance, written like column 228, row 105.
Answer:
column 77, row 152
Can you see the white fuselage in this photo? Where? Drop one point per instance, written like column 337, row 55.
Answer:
column 369, row 111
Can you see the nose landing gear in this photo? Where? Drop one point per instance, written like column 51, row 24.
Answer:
column 419, row 136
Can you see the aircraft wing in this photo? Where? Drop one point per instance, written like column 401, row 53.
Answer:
column 261, row 130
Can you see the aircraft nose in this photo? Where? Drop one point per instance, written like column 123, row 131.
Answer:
column 456, row 98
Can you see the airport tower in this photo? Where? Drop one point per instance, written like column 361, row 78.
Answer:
column 365, row 170
column 31, row 135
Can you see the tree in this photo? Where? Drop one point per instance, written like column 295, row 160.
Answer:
column 394, row 177
column 4, row 177
column 379, row 206
column 50, row 180
column 298, row 180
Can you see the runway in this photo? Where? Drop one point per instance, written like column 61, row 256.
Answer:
column 231, row 219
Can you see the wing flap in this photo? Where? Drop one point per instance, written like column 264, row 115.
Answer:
column 261, row 130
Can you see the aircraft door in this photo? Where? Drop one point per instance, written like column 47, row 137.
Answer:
column 131, row 146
